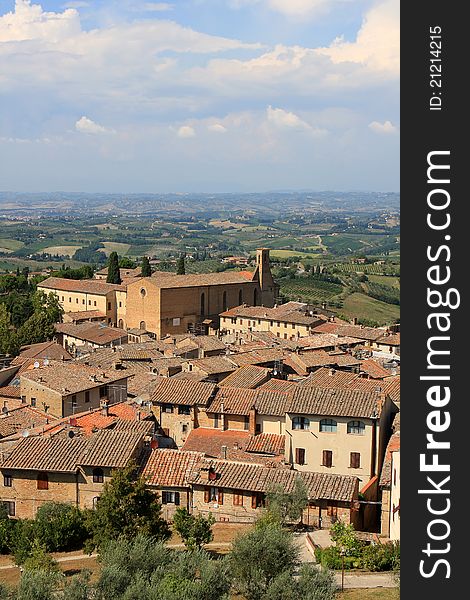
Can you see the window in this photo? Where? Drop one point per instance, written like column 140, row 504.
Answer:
column 76, row 300
column 184, row 410
column 258, row 428
column 94, row 302
column 285, row 325
column 327, row 458
column 168, row 408
column 89, row 302
column 62, row 298
column 171, row 498
column 120, row 304
column 271, row 323
column 300, row 456
column 285, row 336
column 184, row 428
column 246, row 424
column 103, row 391
column 176, row 322
column 98, row 476
column 355, row 460
column 109, row 305
column 257, row 500
column 74, row 401
column 7, row 480
column 328, row 426
column 87, row 396
column 43, row 481
column 300, row 423
column 70, row 299
column 238, row 498
column 143, row 292
column 33, row 401
column 356, row 427
column 332, row 511
column 83, row 301
column 216, row 421
column 213, row 494
column 95, row 501
column 10, row 506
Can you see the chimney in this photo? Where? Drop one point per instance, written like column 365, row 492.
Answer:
column 235, row 445
column 223, row 452
column 137, row 415
column 252, row 421
column 104, row 406
column 331, row 372
column 204, row 473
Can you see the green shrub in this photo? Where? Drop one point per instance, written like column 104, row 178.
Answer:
column 60, row 527
column 331, row 557
column 381, row 557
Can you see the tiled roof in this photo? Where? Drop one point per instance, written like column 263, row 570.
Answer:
column 267, row 443
column 235, row 401
column 95, row 333
column 55, row 454
column 392, row 446
column 50, row 350
column 142, row 427
column 335, row 402
column 390, row 339
column 180, row 391
column 109, row 448
column 249, row 376
column 170, row 468
column 85, row 286
column 210, row 441
column 271, row 403
column 200, row 280
column 10, row 391
column 71, row 377
column 290, row 312
column 257, row 478
column 389, row 386
column 329, row 378
column 213, row 365
column 326, row 340
column 258, row 357
column 84, row 315
column 278, row 385
column 363, row 333
column 374, row 369
column 22, row 418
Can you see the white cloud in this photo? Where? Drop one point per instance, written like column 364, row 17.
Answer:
column 86, row 125
column 289, row 8
column 157, row 6
column 387, row 127
column 217, row 128
column 186, row 132
column 377, row 44
column 283, row 118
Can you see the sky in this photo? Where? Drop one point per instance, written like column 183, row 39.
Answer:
column 199, row 95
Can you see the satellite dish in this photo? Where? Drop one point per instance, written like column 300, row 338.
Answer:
column 46, row 362
column 25, row 433
column 36, row 364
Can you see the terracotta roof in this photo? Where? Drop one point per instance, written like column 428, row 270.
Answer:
column 258, row 357
column 389, row 386
column 257, row 478
column 170, row 280
column 180, row 391
column 210, row 441
column 190, row 376
column 235, row 401
column 326, row 340
column 170, row 468
column 10, row 391
column 374, row 369
column 213, row 365
column 267, row 443
column 329, row 378
column 390, row 339
column 358, row 331
column 55, row 454
column 249, row 376
column 291, row 312
column 50, row 350
column 272, row 403
column 84, row 315
column 335, row 402
column 142, row 427
column 22, row 418
column 392, row 446
column 278, row 385
column 95, row 333
column 71, row 377
column 110, row 448
column 85, row 286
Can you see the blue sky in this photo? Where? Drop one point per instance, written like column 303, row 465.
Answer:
column 199, row 95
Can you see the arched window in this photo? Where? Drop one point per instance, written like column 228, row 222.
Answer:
column 98, row 476
column 95, row 501
column 43, row 481
column 121, row 324
column 224, row 301
column 143, row 292
column 357, row 427
column 240, row 297
column 328, row 425
column 143, row 326
column 203, row 304
column 255, row 297
column 300, row 423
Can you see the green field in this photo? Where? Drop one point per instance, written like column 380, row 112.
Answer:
column 361, row 306
column 10, row 245
column 384, row 280
column 309, row 290
column 61, row 250
column 367, row 269
column 121, row 249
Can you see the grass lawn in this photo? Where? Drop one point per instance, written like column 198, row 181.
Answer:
column 362, row 306
column 384, row 280
column 369, row 594
column 109, row 247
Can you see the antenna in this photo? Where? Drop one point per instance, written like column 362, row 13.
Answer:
column 36, row 364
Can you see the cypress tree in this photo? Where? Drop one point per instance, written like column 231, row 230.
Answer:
column 113, row 269
column 146, row 268
column 181, row 270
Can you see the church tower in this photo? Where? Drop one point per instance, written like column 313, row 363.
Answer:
column 269, row 289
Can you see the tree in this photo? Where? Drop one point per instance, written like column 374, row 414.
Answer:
column 345, row 537
column 126, row 508
column 311, row 584
column 126, row 263
column 79, row 587
column 41, row 325
column 40, row 560
column 9, row 343
column 288, row 506
column 60, row 526
column 195, row 531
column 180, row 267
column 146, row 268
column 37, row 585
column 114, row 275
column 6, row 530
column 261, row 555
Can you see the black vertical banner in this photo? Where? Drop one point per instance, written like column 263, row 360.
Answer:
column 435, row 395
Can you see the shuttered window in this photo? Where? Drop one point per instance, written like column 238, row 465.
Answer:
column 300, row 456
column 327, row 458
column 355, row 460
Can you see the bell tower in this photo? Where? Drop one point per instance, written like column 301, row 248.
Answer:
column 269, row 289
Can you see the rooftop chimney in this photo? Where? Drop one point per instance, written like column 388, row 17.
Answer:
column 104, row 408
column 224, row 452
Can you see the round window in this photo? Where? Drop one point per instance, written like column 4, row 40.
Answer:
column 143, row 292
